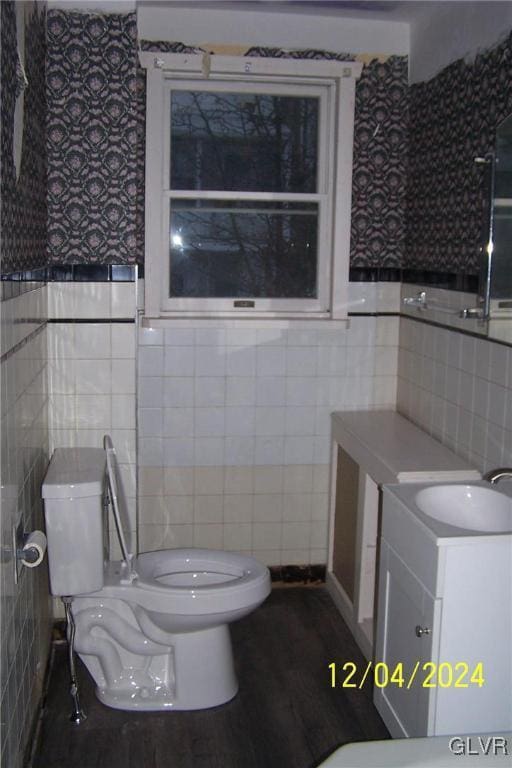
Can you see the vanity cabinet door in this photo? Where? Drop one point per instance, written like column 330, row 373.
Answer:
column 406, row 636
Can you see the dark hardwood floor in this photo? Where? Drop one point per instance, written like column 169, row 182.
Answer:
column 285, row 715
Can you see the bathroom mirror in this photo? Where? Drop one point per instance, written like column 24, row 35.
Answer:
column 20, row 86
column 489, row 313
column 496, row 276
column 501, row 228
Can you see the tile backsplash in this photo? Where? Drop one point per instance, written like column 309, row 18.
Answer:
column 232, row 442
column 228, row 424
column 459, row 389
column 234, row 427
column 91, row 370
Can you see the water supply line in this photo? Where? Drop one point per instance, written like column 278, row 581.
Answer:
column 78, row 715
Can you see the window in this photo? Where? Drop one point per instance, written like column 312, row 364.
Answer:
column 248, row 179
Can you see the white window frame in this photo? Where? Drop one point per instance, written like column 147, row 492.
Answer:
column 334, row 83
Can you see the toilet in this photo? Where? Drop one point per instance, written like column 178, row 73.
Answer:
column 152, row 629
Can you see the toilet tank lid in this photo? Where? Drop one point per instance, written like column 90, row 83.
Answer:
column 74, row 473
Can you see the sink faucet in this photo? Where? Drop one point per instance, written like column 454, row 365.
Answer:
column 494, row 475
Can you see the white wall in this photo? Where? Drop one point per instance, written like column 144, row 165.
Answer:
column 200, row 24
column 443, row 32
column 91, row 374
column 233, row 423
column 458, row 388
column 234, row 427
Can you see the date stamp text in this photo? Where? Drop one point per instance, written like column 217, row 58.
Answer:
column 427, row 674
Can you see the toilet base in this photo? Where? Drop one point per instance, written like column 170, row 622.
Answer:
column 204, row 668
column 194, row 670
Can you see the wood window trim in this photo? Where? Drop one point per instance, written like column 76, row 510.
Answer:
column 161, row 67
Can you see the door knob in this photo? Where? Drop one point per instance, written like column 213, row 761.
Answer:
column 422, row 631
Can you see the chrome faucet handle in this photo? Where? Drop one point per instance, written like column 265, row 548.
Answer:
column 420, row 300
column 494, row 475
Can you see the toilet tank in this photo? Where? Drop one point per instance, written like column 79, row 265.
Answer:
column 73, row 491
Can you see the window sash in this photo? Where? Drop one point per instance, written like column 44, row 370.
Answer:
column 276, row 89
column 321, row 303
column 338, row 77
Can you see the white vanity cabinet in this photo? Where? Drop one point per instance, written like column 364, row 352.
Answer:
column 406, row 634
column 444, row 601
column 370, row 448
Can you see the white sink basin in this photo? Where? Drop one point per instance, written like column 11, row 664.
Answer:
column 467, row 506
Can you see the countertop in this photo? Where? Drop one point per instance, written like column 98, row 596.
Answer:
column 391, row 449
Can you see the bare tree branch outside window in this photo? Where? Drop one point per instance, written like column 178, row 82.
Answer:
column 252, row 142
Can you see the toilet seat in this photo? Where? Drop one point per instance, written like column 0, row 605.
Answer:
column 118, row 501
column 196, row 569
column 216, row 581
column 166, row 579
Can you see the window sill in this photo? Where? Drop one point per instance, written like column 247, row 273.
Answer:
column 297, row 323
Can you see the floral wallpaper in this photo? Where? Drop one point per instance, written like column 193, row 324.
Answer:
column 23, row 199
column 96, row 145
column 92, row 138
column 379, row 181
column 417, row 197
column 453, row 119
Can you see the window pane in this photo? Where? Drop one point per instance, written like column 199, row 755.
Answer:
column 243, row 142
column 232, row 249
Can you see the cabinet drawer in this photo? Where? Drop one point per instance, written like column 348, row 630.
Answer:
column 412, row 542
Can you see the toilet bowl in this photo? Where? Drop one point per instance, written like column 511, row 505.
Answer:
column 152, row 629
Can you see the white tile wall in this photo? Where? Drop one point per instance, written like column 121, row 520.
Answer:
column 459, row 389
column 237, row 409
column 233, row 435
column 25, row 622
column 92, row 374
column 233, row 442
column 234, row 428
column 83, row 300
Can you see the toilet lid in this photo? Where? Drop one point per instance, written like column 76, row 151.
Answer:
column 118, row 498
